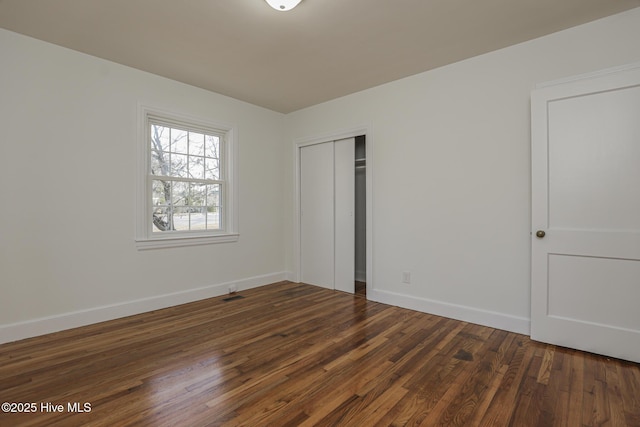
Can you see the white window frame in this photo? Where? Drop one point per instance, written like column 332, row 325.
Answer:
column 145, row 237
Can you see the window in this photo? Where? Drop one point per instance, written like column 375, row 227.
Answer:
column 187, row 187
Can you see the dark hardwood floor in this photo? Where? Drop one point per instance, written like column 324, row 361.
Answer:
column 297, row 355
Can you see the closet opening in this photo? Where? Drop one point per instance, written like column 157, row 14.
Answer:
column 360, row 215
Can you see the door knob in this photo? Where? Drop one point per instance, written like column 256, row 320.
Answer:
column 540, row 234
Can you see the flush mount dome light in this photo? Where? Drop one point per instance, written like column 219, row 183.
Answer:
column 283, row 5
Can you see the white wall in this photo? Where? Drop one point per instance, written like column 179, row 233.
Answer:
column 450, row 152
column 67, row 191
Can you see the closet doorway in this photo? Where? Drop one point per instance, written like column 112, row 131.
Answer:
column 332, row 214
column 360, row 216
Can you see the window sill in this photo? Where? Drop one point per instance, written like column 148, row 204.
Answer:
column 180, row 241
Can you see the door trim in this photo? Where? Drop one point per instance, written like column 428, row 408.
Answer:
column 298, row 143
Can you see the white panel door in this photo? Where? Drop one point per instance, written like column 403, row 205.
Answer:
column 345, row 228
column 586, row 214
column 316, row 215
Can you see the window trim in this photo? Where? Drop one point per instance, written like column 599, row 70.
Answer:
column 145, row 237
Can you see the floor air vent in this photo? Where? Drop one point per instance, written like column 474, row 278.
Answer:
column 233, row 298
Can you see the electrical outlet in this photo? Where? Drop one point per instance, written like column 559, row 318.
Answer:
column 406, row 277
column 233, row 288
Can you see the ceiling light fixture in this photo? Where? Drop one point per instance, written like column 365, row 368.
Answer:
column 283, row 5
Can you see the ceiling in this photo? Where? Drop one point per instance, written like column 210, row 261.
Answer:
column 285, row 61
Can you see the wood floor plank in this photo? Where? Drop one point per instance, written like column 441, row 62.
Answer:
column 545, row 369
column 630, row 389
column 574, row 393
column 291, row 354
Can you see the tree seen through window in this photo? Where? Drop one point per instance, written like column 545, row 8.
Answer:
column 185, row 179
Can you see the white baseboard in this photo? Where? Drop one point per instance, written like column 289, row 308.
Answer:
column 520, row 325
column 46, row 325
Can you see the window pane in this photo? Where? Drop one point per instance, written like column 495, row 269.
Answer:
column 179, row 141
column 179, row 165
column 213, row 220
column 160, row 163
column 181, row 218
column 161, row 192
column 155, row 163
column 196, row 144
column 160, row 138
column 212, row 169
column 198, row 217
column 162, row 219
column 179, row 193
column 213, row 207
column 160, row 143
column 196, row 167
column 213, row 195
column 212, row 146
column 198, row 195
